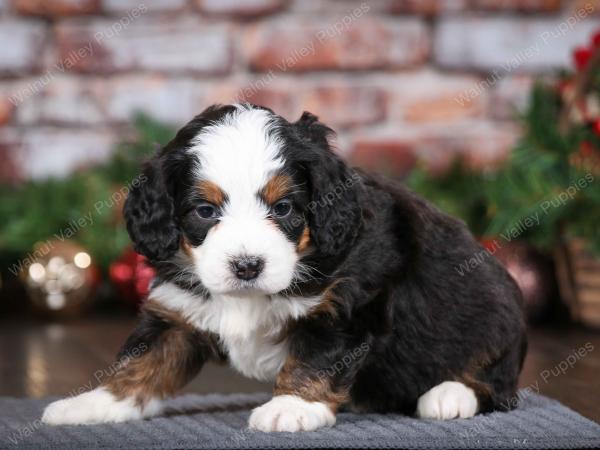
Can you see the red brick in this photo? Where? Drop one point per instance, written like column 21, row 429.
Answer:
column 443, row 108
column 426, row 7
column 238, row 9
column 338, row 102
column 170, row 100
column 505, row 45
column 518, row 5
column 480, row 144
column 387, row 156
column 56, row 7
column 10, row 171
column 337, row 6
column 422, row 7
column 343, row 105
column 280, row 98
column 428, row 96
column 221, row 91
column 361, row 43
column 22, row 44
column 433, row 7
column 64, row 100
column 586, row 5
column 487, row 145
column 6, row 109
column 509, row 97
column 50, row 151
column 184, row 45
column 155, row 6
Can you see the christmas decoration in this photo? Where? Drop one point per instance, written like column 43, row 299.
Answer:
column 533, row 272
column 551, row 175
column 553, row 170
column 60, row 281
column 85, row 206
column 579, row 280
column 546, row 193
column 131, row 276
column 582, row 57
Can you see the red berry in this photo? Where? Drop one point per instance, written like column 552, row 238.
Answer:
column 597, row 127
column 581, row 55
column 596, row 40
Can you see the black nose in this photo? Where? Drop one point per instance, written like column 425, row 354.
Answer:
column 247, row 267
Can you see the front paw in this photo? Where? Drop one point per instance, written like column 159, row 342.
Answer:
column 448, row 400
column 291, row 413
column 97, row 406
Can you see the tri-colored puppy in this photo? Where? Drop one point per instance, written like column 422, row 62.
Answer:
column 341, row 287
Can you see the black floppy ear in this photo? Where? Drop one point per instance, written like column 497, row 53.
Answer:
column 149, row 214
column 334, row 212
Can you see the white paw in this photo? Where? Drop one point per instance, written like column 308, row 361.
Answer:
column 96, row 406
column 448, row 400
column 291, row 413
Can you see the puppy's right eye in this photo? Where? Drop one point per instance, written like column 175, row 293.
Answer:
column 207, row 211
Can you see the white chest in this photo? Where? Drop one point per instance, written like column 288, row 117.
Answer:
column 248, row 327
column 258, row 356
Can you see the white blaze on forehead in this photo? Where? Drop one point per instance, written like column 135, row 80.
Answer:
column 240, row 154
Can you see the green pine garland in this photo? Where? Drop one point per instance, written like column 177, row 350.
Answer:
column 80, row 207
column 539, row 195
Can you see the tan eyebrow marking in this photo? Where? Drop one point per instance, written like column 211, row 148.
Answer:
column 211, row 192
column 276, row 187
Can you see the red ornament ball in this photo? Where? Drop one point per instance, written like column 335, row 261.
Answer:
column 596, row 40
column 131, row 276
column 533, row 272
column 582, row 56
column 597, row 127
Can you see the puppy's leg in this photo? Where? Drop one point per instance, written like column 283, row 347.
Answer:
column 161, row 356
column 303, row 399
column 315, row 379
column 448, row 400
column 491, row 386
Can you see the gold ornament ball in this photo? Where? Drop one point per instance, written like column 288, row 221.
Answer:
column 61, row 280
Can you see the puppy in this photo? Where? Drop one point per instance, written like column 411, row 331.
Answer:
column 340, row 287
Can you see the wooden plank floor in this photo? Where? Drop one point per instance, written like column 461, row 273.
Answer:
column 39, row 360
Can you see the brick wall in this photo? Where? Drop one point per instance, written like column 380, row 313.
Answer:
column 400, row 80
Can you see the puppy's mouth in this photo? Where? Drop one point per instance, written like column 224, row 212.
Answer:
column 246, row 288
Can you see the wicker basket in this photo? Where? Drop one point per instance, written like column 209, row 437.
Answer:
column 578, row 275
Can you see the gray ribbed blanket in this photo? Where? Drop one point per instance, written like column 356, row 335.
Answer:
column 219, row 421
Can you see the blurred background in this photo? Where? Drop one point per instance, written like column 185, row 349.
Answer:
column 489, row 108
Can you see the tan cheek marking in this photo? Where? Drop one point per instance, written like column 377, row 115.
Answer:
column 211, row 192
column 186, row 248
column 276, row 188
column 297, row 379
column 304, row 241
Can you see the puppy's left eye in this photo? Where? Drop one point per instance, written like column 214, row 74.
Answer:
column 207, row 211
column 282, row 208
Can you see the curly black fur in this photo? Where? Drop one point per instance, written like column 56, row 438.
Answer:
column 387, row 261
